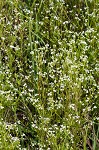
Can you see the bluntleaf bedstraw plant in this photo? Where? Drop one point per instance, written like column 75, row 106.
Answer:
column 49, row 75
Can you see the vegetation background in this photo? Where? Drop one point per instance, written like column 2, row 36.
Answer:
column 49, row 75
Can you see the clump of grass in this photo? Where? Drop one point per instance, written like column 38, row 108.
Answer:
column 49, row 75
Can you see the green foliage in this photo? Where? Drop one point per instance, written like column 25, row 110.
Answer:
column 49, row 75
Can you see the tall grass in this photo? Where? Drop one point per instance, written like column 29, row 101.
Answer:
column 49, row 75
